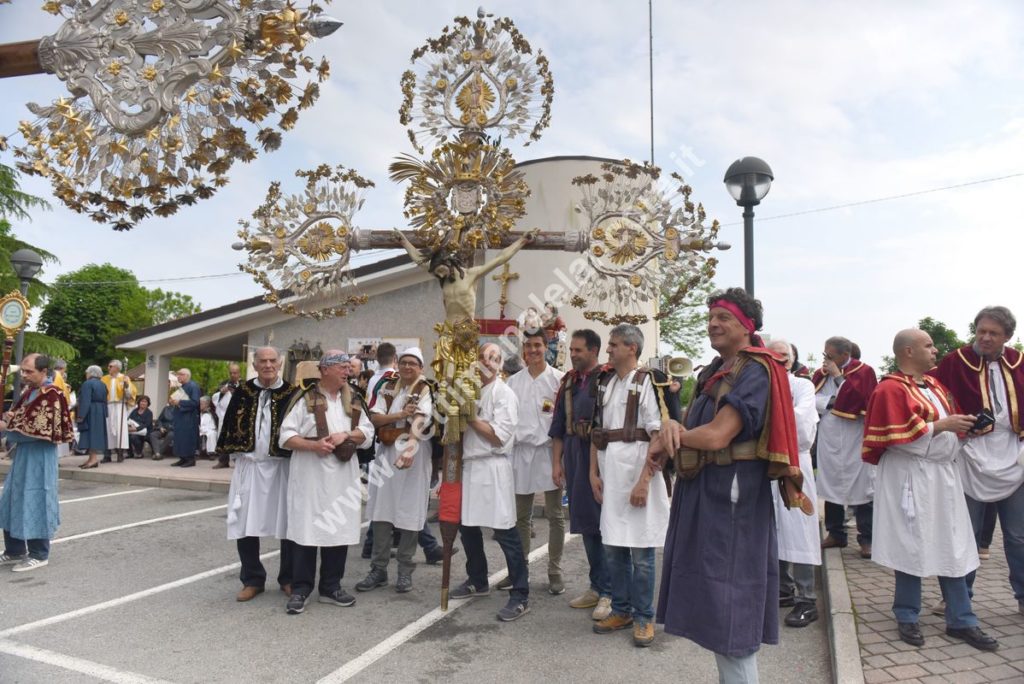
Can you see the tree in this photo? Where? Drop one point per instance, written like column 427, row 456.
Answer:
column 944, row 338
column 685, row 327
column 15, row 204
column 89, row 307
column 169, row 306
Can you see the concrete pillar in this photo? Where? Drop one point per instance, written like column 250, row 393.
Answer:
column 158, row 366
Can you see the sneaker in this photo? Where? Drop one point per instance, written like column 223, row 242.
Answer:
column 339, row 597
column 504, row 585
column 587, row 599
column 603, row 609
column 612, row 623
column 6, row 559
column 973, row 636
column 296, row 604
column 30, row 564
column 375, row 578
column 467, row 590
column 643, row 634
column 404, row 584
column 513, row 610
column 555, row 585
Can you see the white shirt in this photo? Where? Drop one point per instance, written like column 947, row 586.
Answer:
column 324, row 496
column 799, row 540
column 531, row 453
column 488, row 495
column 989, row 463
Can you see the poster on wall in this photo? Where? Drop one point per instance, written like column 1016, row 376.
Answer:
column 363, row 347
column 403, row 343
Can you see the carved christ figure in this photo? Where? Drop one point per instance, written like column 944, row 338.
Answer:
column 458, row 284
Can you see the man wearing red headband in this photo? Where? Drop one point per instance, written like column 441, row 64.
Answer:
column 843, row 385
column 720, row 583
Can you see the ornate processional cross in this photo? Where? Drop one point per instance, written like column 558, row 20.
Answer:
column 504, row 277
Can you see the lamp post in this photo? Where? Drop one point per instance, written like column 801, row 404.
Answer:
column 748, row 181
column 26, row 264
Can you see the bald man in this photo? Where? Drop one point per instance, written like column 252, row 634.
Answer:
column 921, row 524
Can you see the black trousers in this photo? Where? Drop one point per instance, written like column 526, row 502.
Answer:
column 332, row 568
column 835, row 521
column 253, row 574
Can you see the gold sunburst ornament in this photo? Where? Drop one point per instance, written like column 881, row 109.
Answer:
column 165, row 97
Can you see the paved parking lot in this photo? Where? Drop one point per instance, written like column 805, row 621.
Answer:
column 141, row 585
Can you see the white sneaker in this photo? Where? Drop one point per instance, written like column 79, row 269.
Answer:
column 11, row 560
column 603, row 610
column 30, row 564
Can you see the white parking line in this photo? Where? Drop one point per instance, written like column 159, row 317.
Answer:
column 368, row 658
column 118, row 528
column 86, row 667
column 104, row 496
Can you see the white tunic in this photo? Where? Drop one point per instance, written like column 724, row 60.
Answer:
column 258, row 495
column 843, row 478
column 220, row 406
column 400, row 496
column 799, row 540
column 488, row 495
column 117, row 416
column 208, row 429
column 324, row 496
column 989, row 465
column 921, row 524
column 623, row 524
column 531, row 453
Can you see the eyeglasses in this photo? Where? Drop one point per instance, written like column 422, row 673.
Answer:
column 409, row 363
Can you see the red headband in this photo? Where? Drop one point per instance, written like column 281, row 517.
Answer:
column 735, row 311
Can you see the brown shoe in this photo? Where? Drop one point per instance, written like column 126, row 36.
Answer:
column 865, row 550
column 287, row 589
column 612, row 623
column 832, row 543
column 643, row 635
column 249, row 593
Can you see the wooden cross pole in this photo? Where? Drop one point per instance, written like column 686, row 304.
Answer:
column 504, row 277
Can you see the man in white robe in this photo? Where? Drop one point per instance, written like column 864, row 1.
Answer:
column 324, row 496
column 922, row 526
column 399, row 477
column 798, row 538
column 536, row 387
column 634, row 503
column 257, row 497
column 488, row 491
column 120, row 400
column 843, row 385
column 221, row 398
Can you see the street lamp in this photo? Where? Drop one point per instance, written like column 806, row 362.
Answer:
column 748, row 181
column 26, row 264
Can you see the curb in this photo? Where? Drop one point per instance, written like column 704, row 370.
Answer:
column 136, row 480
column 842, row 622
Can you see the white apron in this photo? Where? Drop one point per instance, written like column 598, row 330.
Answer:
column 843, row 478
column 531, row 453
column 798, row 535
column 324, row 495
column 620, row 466
column 488, row 495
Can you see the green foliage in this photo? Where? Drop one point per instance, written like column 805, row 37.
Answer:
column 944, row 337
column 169, row 306
column 38, row 343
column 89, row 307
column 685, row 327
column 15, row 204
column 208, row 374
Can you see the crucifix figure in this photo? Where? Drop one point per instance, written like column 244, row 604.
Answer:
column 504, row 277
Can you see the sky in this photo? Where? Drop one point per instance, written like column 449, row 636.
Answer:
column 847, row 102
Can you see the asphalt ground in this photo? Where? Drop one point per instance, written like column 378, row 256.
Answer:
column 141, row 586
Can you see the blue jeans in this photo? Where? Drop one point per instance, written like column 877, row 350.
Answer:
column 599, row 581
column 36, row 548
column 511, row 546
column 906, row 604
column 1011, row 519
column 631, row 571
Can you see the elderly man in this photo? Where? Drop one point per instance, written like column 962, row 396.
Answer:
column 221, row 399
column 921, row 521
column 324, row 426
column 120, row 399
column 799, row 541
column 185, row 401
column 29, row 511
column 536, row 387
column 257, row 498
column 989, row 375
column 634, row 504
column 488, row 488
column 570, row 465
column 91, row 415
column 843, row 385
column 720, row 584
column 399, row 476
